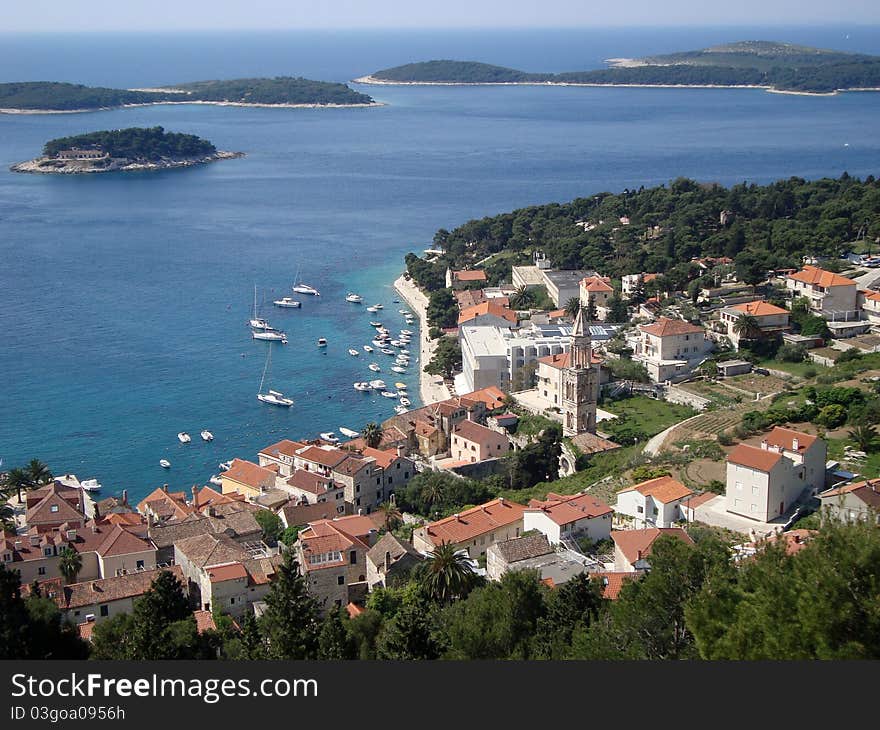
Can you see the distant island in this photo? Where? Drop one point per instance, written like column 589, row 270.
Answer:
column 281, row 91
column 135, row 148
column 771, row 65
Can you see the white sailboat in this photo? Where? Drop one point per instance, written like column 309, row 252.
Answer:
column 301, row 288
column 258, row 323
column 273, row 397
column 270, row 336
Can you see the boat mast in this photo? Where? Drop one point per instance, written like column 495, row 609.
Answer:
column 265, row 367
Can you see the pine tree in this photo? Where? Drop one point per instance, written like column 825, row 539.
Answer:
column 13, row 616
column 290, row 623
column 334, row 641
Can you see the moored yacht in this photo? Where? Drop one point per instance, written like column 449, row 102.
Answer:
column 374, row 367
column 375, row 324
column 330, row 436
column 367, row 348
column 363, row 387
column 353, row 352
column 270, row 336
column 164, row 463
column 322, row 342
column 289, row 302
column 260, row 324
column 372, row 309
column 398, row 369
column 90, row 485
column 273, row 397
column 354, row 298
column 388, row 394
column 377, row 384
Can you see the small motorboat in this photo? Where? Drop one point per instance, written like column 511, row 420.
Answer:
column 404, row 311
column 404, row 401
column 330, row 436
column 400, row 386
column 164, row 463
column 398, row 369
column 348, row 432
column 353, row 352
column 402, row 361
column 354, row 298
column 90, row 485
column 396, row 343
column 363, row 387
column 388, row 351
column 216, row 480
column 372, row 309
column 207, row 435
column 378, row 343
column 379, row 306
column 225, row 465
column 404, row 351
column 399, row 410
column 367, row 348
column 322, row 342
column 289, row 302
column 374, row 367
column 406, row 332
column 375, row 324
column 184, row 437
column 388, row 394
column 377, row 384
column 395, row 301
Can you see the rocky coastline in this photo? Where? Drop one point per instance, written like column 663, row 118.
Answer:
column 55, row 166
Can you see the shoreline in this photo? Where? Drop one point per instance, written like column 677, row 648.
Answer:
column 429, row 391
column 371, row 80
column 36, row 167
column 194, row 101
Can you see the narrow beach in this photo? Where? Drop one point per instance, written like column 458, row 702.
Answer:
column 431, row 387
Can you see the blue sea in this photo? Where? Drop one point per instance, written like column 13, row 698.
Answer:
column 124, row 298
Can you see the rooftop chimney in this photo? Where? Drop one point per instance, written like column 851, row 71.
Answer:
column 501, row 500
column 764, row 444
column 195, row 491
column 795, row 444
column 165, row 488
column 125, row 496
column 401, row 450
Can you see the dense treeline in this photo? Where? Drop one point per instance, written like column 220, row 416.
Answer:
column 50, row 95
column 765, row 226
column 278, row 90
column 136, row 143
column 778, row 66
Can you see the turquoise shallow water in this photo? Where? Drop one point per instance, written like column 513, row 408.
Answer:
column 123, row 298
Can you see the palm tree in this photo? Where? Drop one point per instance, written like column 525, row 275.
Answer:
column 572, row 307
column 39, row 472
column 69, row 564
column 390, row 514
column 747, row 327
column 432, row 491
column 448, row 573
column 522, row 298
column 372, row 434
column 18, row 479
column 7, row 518
column 865, row 436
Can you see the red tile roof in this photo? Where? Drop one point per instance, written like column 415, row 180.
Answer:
column 754, row 458
column 383, row 458
column 117, row 588
column 471, row 431
column 204, row 621
column 249, row 474
column 614, row 580
column 285, row 447
column 171, row 505
column 759, row 309
column 820, row 277
column 309, row 481
column 475, row 521
column 230, row 571
column 663, row 489
column 867, row 491
column 665, row 327
column 324, row 457
column 636, row 544
column 469, row 275
column 596, row 283
column 561, row 360
column 484, row 308
column 564, row 510
column 354, row 610
column 784, row 438
column 85, row 630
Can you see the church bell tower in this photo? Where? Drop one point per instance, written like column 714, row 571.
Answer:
column 580, row 381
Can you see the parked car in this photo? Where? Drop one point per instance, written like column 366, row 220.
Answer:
column 761, row 371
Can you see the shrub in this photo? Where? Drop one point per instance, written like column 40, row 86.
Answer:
column 832, row 416
column 643, row 473
column 725, row 439
column 716, row 486
column 810, row 372
column 791, row 353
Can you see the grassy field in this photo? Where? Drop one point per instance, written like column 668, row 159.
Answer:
column 649, row 415
column 805, row 369
column 868, row 468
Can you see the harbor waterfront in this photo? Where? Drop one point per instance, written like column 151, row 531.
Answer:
column 125, row 299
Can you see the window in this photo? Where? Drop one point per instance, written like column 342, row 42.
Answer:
column 41, row 570
column 739, row 486
column 232, row 601
column 47, row 551
column 53, row 508
column 378, row 480
column 357, row 489
column 398, row 465
column 755, row 491
column 640, row 509
column 353, row 557
column 358, row 501
column 406, row 475
column 753, row 508
column 139, row 564
column 655, row 511
column 340, row 580
column 737, row 502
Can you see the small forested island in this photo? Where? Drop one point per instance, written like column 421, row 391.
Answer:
column 281, row 91
column 772, row 65
column 135, row 148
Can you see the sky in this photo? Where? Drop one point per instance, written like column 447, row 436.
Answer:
column 153, row 15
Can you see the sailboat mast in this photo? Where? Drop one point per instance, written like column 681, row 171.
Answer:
column 265, row 367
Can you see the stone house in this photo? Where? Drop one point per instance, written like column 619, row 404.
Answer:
column 472, row 442
column 670, row 348
column 248, row 478
column 391, row 561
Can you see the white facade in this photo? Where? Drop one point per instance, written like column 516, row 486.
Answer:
column 648, row 510
column 831, row 296
column 596, row 528
column 666, row 352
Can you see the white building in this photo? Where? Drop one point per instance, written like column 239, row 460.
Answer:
column 561, row 284
column 764, row 482
column 597, row 289
column 654, row 503
column 498, row 356
column 670, row 348
column 568, row 517
column 771, row 320
column 831, row 296
column 632, row 548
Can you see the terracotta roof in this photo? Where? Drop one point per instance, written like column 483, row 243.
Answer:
column 759, row 309
column 120, row 541
column 309, row 481
column 105, row 590
column 423, row 428
column 636, row 544
column 564, row 510
column 171, row 505
column 285, row 447
column 614, row 580
column 475, row 432
column 469, row 275
column 487, row 307
column 204, row 621
column 665, row 327
column 359, row 526
column 383, row 458
column 353, row 463
column 524, row 548
column 754, row 458
column 212, row 498
column 249, row 474
column 85, row 630
column 469, row 297
column 663, row 489
column 820, row 277
column 324, row 457
column 596, row 283
column 867, row 491
column 353, row 610
column 874, row 296
column 561, row 360
column 261, row 571
column 130, row 519
column 590, row 443
column 784, row 439
column 475, row 521
column 697, row 500
column 325, row 537
column 64, row 511
column 229, row 571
